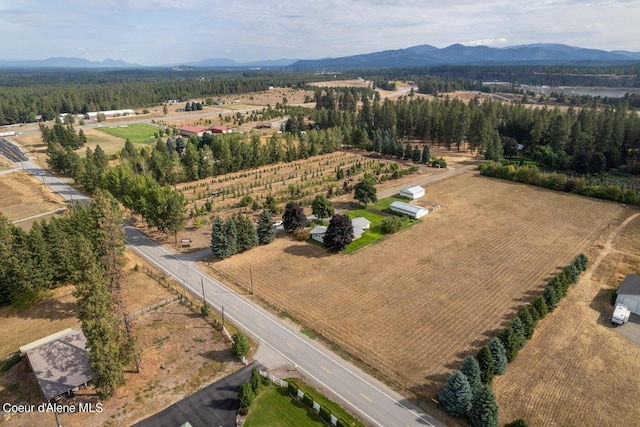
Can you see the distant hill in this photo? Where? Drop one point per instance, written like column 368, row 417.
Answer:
column 457, row 54
column 416, row 56
column 68, row 63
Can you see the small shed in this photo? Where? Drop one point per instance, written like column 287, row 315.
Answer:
column 60, row 363
column 629, row 293
column 412, row 211
column 412, row 193
column 318, row 232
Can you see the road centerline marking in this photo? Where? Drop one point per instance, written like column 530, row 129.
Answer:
column 366, row 397
column 235, row 306
column 261, row 325
column 325, row 369
column 291, row 345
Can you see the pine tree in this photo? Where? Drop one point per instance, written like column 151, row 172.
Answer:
column 426, row 155
column 511, row 343
column 456, row 395
column 519, row 331
column 266, row 232
column 540, row 305
column 218, row 238
column 247, row 236
column 231, row 233
column 484, row 409
column 528, row 321
column 471, row 370
column 100, row 325
column 499, row 356
column 487, row 368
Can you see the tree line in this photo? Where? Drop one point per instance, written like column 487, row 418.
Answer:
column 85, row 247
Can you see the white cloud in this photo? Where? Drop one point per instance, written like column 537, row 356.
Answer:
column 499, row 42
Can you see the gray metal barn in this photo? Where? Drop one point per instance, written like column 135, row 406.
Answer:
column 629, row 293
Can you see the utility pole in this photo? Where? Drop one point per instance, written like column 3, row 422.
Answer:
column 204, row 299
column 184, row 284
column 251, row 277
column 223, row 317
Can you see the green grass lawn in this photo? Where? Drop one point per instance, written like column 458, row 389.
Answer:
column 322, row 400
column 274, row 408
column 374, row 234
column 138, row 133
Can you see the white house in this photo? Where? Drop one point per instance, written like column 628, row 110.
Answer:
column 318, row 232
column 409, row 210
column 629, row 293
column 412, row 193
column 360, row 225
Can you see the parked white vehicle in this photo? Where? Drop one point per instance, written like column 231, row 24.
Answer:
column 620, row 315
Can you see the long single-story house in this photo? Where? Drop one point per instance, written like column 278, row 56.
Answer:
column 412, row 193
column 412, row 211
column 192, row 131
column 360, row 225
column 629, row 293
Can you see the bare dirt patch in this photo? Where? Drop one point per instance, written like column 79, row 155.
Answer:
column 389, row 304
column 181, row 353
column 21, row 196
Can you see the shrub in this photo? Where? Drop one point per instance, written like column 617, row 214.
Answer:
column 240, row 346
column 292, row 388
column 391, row 224
column 325, row 414
column 301, row 235
column 246, row 395
column 342, row 423
column 256, row 380
column 307, row 400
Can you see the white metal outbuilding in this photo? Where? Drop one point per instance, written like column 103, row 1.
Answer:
column 412, row 193
column 629, row 293
column 410, row 210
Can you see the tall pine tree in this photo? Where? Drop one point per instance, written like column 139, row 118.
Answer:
column 456, row 395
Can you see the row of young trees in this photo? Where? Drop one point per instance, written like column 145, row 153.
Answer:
column 467, row 391
column 624, row 191
column 84, row 247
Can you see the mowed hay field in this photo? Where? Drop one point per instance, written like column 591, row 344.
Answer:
column 577, row 370
column 21, row 196
column 417, row 302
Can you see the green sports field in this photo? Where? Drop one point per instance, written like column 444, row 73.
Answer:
column 138, row 133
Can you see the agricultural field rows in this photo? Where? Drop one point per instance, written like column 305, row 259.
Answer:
column 577, row 369
column 414, row 304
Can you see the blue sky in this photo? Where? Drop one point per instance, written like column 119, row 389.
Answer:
column 153, row 32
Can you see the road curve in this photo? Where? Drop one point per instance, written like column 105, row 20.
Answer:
column 373, row 401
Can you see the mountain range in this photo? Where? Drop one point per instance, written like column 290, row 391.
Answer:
column 416, row 56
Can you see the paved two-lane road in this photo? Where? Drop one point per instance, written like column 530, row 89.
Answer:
column 373, row 401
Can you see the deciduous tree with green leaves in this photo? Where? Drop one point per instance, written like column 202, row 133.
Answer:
column 365, row 192
column 322, row 207
column 339, row 233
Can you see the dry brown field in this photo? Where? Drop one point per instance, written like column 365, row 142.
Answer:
column 180, row 354
column 22, row 196
column 577, row 370
column 396, row 304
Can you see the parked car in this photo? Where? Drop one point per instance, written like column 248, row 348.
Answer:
column 277, row 223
